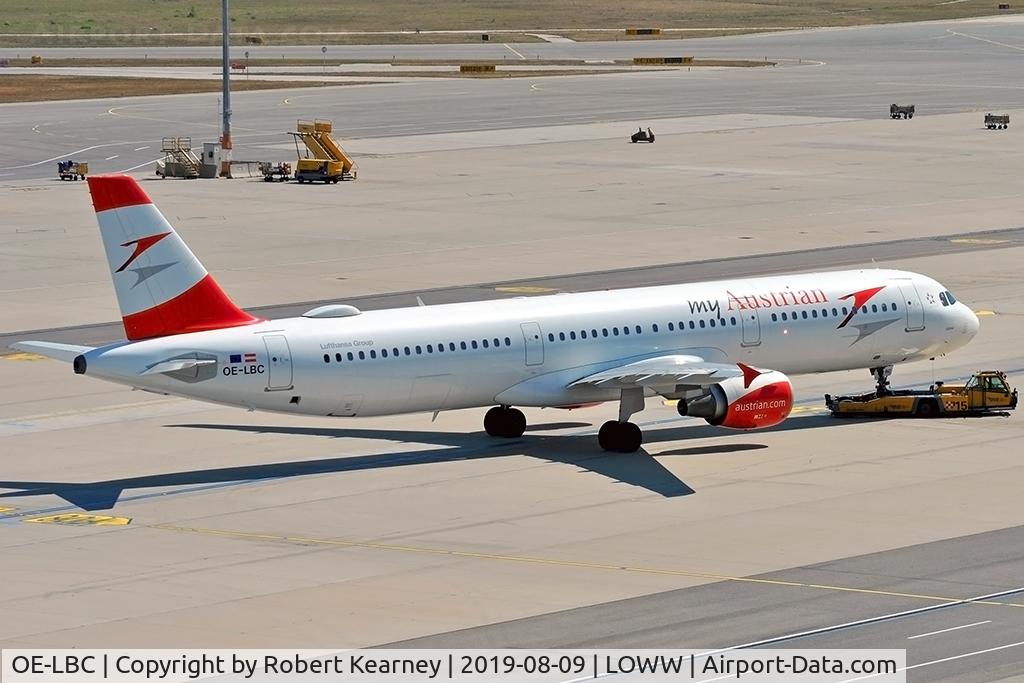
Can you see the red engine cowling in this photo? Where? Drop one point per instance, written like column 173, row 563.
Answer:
column 765, row 401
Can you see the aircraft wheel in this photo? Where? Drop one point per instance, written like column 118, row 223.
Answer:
column 620, row 437
column 508, row 423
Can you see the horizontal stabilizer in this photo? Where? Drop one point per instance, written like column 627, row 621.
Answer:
column 64, row 352
column 175, row 365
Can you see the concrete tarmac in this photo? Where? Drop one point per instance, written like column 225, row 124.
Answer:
column 942, row 67
column 137, row 520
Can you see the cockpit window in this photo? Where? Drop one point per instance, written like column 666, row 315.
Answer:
column 942, row 298
column 952, row 299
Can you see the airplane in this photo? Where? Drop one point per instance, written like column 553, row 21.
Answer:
column 723, row 349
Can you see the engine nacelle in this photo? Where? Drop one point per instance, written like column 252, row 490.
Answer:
column 765, row 402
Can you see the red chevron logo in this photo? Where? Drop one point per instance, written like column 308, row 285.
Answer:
column 859, row 299
column 141, row 245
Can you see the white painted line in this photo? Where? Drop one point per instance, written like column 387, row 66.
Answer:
column 984, row 40
column 860, row 622
column 112, row 157
column 514, row 51
column 144, row 163
column 941, row 661
column 139, row 149
column 947, row 630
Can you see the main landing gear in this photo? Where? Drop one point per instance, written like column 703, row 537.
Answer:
column 622, row 436
column 505, row 422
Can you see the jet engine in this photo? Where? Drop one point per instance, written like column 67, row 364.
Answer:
column 759, row 399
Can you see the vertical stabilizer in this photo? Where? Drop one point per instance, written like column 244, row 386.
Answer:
column 161, row 286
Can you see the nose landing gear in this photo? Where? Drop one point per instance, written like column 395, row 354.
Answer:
column 881, row 375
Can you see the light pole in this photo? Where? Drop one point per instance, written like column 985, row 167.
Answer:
column 225, row 138
column 323, row 51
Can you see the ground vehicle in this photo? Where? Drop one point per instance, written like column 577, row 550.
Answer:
column 642, row 136
column 324, row 159
column 901, row 111
column 275, row 172
column 985, row 392
column 994, row 121
column 72, row 170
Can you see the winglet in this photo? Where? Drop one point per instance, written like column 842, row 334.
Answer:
column 749, row 374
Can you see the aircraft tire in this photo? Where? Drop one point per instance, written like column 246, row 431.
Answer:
column 508, row 423
column 620, row 437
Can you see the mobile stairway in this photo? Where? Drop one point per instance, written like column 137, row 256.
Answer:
column 179, row 159
column 324, row 159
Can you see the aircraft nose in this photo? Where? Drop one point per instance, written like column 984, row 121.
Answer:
column 971, row 322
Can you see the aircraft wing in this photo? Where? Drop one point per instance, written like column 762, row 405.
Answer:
column 663, row 371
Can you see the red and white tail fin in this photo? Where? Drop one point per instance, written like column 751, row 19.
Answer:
column 161, row 286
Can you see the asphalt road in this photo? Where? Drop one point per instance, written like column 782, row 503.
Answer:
column 673, row 273
column 941, row 67
column 956, row 605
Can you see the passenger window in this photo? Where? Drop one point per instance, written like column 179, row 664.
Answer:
column 824, row 313
column 451, row 346
column 654, row 327
column 419, row 351
column 593, row 333
column 639, row 330
column 462, row 344
column 894, row 307
column 327, row 358
column 351, row 357
column 508, row 342
column 373, row 354
column 814, row 313
column 785, row 316
column 775, row 318
column 561, row 336
column 691, row 325
column 604, row 331
column 712, row 322
column 615, row 332
column 874, row 308
column 572, row 335
column 732, row 320
column 408, row 352
column 671, row 327
column 362, row 355
column 583, row 334
column 383, row 353
column 835, row 313
column 473, row 343
column 702, row 324
column 884, row 308
column 551, row 337
column 484, row 342
column 497, row 342
column 394, row 352
column 625, row 330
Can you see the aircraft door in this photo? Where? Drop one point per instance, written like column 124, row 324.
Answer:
column 912, row 305
column 279, row 362
column 534, row 341
column 751, row 324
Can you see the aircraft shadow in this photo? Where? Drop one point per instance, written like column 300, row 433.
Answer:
column 638, row 469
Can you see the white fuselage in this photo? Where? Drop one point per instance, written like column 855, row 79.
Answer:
column 527, row 351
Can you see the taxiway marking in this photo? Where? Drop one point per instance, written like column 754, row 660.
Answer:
column 947, row 630
column 985, row 40
column 79, row 519
column 526, row 289
column 527, row 559
column 514, row 51
column 21, row 355
column 139, row 149
column 3, row 509
column 114, row 156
